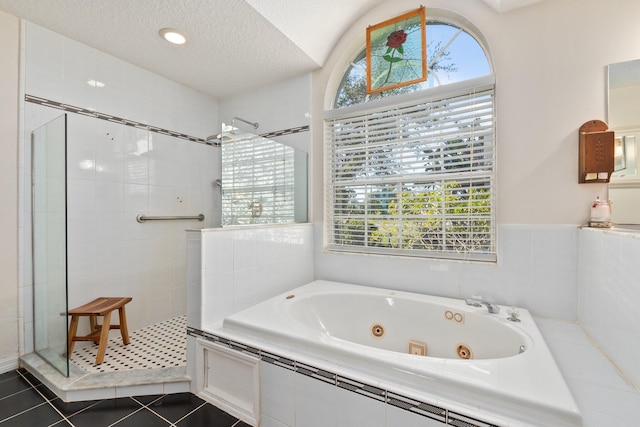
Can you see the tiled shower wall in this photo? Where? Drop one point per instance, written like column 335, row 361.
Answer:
column 609, row 299
column 117, row 170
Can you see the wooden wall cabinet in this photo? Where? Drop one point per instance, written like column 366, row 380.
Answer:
column 596, row 152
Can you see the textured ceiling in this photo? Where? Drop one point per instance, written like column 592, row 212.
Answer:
column 234, row 45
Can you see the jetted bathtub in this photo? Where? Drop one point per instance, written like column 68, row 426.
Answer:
column 436, row 347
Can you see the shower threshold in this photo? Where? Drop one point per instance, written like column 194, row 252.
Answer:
column 154, row 363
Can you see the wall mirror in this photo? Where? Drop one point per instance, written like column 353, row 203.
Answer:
column 624, row 119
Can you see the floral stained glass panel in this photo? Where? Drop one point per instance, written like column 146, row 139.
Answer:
column 396, row 52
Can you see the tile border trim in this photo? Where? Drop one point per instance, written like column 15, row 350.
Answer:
column 436, row 413
column 114, row 119
column 122, row 121
column 282, row 132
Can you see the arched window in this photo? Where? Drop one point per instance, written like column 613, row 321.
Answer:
column 411, row 171
column 452, row 55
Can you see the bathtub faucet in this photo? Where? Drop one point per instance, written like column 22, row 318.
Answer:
column 477, row 301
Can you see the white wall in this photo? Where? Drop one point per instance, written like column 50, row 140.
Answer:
column 10, row 311
column 550, row 63
column 279, row 106
column 116, row 172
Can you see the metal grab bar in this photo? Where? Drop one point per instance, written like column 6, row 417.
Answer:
column 143, row 217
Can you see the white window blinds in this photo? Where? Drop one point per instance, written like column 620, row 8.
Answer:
column 414, row 177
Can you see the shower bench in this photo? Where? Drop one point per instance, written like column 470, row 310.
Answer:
column 99, row 333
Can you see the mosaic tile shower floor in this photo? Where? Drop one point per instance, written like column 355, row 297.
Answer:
column 163, row 345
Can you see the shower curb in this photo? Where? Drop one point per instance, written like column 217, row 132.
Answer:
column 81, row 385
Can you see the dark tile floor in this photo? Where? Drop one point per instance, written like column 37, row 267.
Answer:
column 26, row 402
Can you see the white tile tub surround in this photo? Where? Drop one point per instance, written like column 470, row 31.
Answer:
column 307, row 402
column 609, row 301
column 536, row 269
column 238, row 267
column 116, row 172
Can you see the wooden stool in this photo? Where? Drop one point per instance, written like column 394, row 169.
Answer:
column 99, row 333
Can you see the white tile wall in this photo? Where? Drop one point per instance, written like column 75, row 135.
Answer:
column 355, row 410
column 217, row 297
column 144, row 255
column 279, row 405
column 302, row 401
column 193, row 369
column 242, row 266
column 536, row 269
column 116, row 172
column 400, row 417
column 44, row 62
column 270, row 422
column 275, row 107
column 609, row 303
column 315, row 403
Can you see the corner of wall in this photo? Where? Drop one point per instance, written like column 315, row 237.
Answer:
column 9, row 91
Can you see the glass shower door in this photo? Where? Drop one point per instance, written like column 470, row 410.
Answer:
column 49, row 242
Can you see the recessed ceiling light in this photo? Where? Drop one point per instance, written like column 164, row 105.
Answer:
column 173, row 36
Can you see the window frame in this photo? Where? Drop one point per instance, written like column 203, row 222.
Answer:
column 417, row 97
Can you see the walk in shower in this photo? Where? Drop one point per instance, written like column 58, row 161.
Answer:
column 49, row 237
column 96, row 185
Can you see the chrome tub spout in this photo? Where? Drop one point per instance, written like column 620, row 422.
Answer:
column 478, row 302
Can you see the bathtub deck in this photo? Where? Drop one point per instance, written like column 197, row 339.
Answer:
column 604, row 396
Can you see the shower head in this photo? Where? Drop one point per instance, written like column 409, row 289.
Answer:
column 255, row 125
